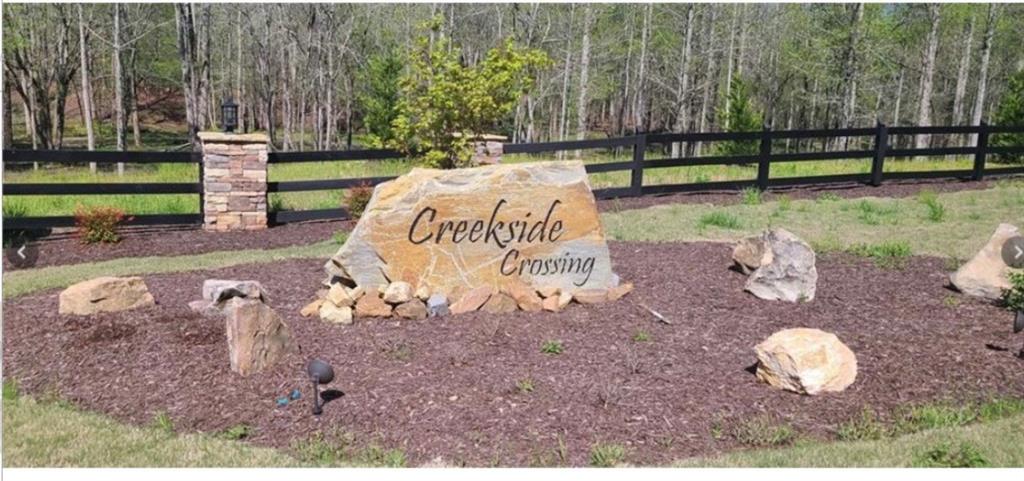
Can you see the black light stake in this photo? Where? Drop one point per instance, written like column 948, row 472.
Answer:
column 320, row 373
column 229, row 115
column 1018, row 325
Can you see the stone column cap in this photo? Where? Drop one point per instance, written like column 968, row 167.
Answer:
column 230, row 137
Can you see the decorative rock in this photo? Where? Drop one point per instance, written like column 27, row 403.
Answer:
column 414, row 309
column 451, row 231
column 219, row 290
column 790, row 274
column 335, row 314
column 552, row 304
column 619, row 291
column 471, row 300
column 339, row 296
column 398, row 292
column 204, row 307
column 422, row 293
column 372, row 306
column 548, row 291
column 257, row 337
column 312, row 308
column 564, row 298
column 751, row 253
column 437, row 305
column 986, row 275
column 356, row 292
column 591, row 296
column 500, row 303
column 526, row 297
column 807, row 361
column 105, row 294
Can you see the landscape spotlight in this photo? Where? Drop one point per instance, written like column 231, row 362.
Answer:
column 1018, row 325
column 320, row 373
column 229, row 115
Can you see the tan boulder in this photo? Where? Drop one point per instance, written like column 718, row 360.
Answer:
column 564, row 298
column 257, row 337
column 751, row 253
column 335, row 314
column 451, row 231
column 398, row 292
column 806, row 361
column 371, row 305
column 471, row 300
column 552, row 304
column 413, row 309
column 105, row 294
column 312, row 308
column 500, row 303
column 591, row 296
column 986, row 275
column 339, row 296
column 422, row 293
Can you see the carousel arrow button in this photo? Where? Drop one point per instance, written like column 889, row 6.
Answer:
column 1013, row 252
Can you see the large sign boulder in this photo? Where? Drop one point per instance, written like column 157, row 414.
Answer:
column 494, row 227
column 987, row 275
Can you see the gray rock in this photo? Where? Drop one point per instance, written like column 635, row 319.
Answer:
column 437, row 305
column 789, row 273
column 219, row 290
column 205, row 307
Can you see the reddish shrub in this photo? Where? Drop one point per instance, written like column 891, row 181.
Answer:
column 357, row 199
column 99, row 224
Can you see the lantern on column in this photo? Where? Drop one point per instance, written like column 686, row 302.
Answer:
column 229, row 115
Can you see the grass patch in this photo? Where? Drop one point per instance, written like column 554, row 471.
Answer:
column 887, row 255
column 865, row 427
column 237, row 432
column 946, row 456
column 44, row 434
column 963, row 231
column 552, row 347
column 720, row 219
column 751, row 196
column 641, row 336
column 525, row 385
column 762, row 432
column 340, row 449
column 936, row 211
column 21, row 282
column 607, row 455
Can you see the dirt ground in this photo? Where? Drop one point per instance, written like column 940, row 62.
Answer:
column 65, row 248
column 447, row 387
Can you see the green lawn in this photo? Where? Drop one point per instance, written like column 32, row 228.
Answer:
column 954, row 225
column 189, row 203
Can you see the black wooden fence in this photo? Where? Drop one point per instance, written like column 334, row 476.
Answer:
column 880, row 141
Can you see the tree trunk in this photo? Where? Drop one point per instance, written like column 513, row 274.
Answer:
column 962, row 76
column 924, row 111
column 639, row 108
column 986, row 53
column 682, row 92
column 581, row 109
column 86, row 93
column 709, row 78
column 116, row 62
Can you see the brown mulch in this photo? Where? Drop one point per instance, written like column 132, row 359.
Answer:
column 447, row 387
column 63, row 248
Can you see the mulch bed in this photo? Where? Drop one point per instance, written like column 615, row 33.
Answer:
column 64, row 248
column 447, row 387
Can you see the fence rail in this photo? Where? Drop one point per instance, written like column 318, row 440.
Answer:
column 765, row 140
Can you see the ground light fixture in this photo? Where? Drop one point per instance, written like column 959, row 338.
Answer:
column 320, row 373
column 229, row 115
column 1018, row 325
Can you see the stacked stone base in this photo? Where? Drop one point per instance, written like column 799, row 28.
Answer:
column 234, row 181
column 342, row 305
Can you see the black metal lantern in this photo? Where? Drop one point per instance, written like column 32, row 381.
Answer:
column 229, row 115
column 320, row 373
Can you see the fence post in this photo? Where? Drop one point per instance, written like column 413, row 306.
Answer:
column 764, row 159
column 980, row 151
column 636, row 185
column 881, row 145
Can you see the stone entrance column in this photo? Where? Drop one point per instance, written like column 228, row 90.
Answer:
column 234, row 181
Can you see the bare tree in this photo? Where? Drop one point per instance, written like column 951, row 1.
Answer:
column 924, row 109
column 986, row 55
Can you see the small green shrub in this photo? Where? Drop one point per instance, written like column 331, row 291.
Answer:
column 99, row 224
column 946, row 456
column 934, row 416
column 1014, row 296
column 865, row 427
column 871, row 213
column 751, row 196
column 889, row 254
column 525, row 385
column 237, row 432
column 357, row 199
column 763, row 431
column 641, row 336
column 13, row 209
column 718, row 219
column 552, row 347
column 936, row 211
column 607, row 455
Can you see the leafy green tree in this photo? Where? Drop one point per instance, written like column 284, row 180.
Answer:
column 740, row 116
column 379, row 100
column 444, row 103
column 1011, row 113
